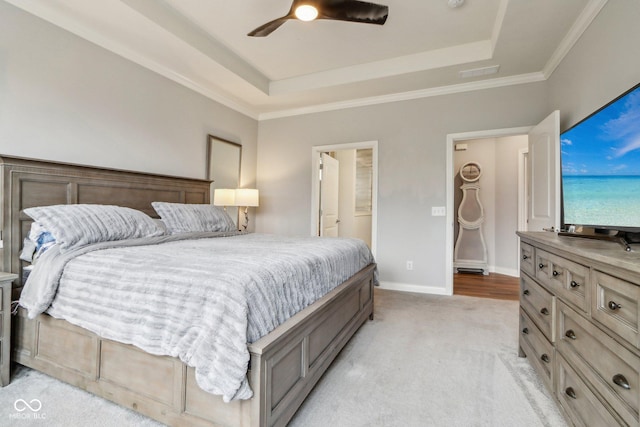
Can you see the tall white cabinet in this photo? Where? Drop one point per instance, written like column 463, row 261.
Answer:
column 470, row 253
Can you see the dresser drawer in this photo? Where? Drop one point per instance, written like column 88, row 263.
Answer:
column 527, row 258
column 578, row 400
column 537, row 348
column 611, row 368
column 539, row 305
column 565, row 278
column 615, row 305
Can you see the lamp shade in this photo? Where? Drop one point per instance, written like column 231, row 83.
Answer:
column 246, row 197
column 224, row 197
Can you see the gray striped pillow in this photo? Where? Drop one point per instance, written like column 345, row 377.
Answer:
column 184, row 218
column 78, row 225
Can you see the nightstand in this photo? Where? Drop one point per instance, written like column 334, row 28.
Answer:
column 5, row 326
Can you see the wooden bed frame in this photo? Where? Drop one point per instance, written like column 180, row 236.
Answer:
column 284, row 366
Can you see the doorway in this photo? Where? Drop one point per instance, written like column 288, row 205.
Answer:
column 357, row 176
column 492, row 161
column 542, row 179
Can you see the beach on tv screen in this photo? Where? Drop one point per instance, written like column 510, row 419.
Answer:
column 601, row 166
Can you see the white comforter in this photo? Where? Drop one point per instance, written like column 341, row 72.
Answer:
column 199, row 299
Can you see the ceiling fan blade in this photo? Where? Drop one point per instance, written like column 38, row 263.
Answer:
column 269, row 27
column 355, row 11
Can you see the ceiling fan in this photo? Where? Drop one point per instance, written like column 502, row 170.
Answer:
column 337, row 10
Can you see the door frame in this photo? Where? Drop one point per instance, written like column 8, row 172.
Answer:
column 315, row 184
column 452, row 139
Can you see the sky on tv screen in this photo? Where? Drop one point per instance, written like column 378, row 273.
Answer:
column 601, row 166
column 607, row 143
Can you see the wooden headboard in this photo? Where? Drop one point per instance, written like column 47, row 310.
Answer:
column 26, row 183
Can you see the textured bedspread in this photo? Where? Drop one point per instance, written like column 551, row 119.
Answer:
column 199, row 299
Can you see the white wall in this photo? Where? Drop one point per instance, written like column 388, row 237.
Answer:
column 507, row 156
column 498, row 195
column 412, row 136
column 483, row 152
column 351, row 225
column 65, row 99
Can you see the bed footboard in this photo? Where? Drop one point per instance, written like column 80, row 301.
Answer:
column 285, row 365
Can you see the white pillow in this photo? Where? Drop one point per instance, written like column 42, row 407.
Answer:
column 185, row 218
column 78, row 225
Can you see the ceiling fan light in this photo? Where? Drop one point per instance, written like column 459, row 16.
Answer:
column 306, row 12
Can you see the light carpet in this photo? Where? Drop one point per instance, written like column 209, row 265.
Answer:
column 423, row 361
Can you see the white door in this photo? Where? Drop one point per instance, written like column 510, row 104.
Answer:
column 329, row 191
column 543, row 171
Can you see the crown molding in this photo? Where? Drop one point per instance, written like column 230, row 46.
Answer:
column 406, row 96
column 581, row 24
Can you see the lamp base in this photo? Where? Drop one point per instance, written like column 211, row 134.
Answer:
column 246, row 219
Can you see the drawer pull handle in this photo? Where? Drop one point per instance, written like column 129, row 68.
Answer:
column 545, row 311
column 614, row 305
column 555, row 273
column 525, row 257
column 570, row 392
column 525, row 331
column 525, row 292
column 541, row 266
column 620, row 380
column 545, row 358
column 570, row 334
column 574, row 284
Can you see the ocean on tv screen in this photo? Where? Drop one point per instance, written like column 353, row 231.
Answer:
column 602, row 200
column 601, row 166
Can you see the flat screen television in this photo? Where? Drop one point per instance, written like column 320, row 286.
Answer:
column 600, row 158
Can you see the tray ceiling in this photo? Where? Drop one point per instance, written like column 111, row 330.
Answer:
column 322, row 65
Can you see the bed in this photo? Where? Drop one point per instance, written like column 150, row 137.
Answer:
column 284, row 365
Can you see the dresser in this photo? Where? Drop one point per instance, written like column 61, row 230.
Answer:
column 579, row 325
column 5, row 326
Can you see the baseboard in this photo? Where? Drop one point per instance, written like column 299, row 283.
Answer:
column 506, row 271
column 405, row 287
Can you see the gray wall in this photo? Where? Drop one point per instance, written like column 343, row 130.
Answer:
column 65, row 99
column 412, row 167
column 412, row 136
column 603, row 64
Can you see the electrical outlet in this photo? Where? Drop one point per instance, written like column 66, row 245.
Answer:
column 409, row 265
column 438, row 211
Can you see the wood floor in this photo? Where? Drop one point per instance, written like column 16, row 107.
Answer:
column 496, row 286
